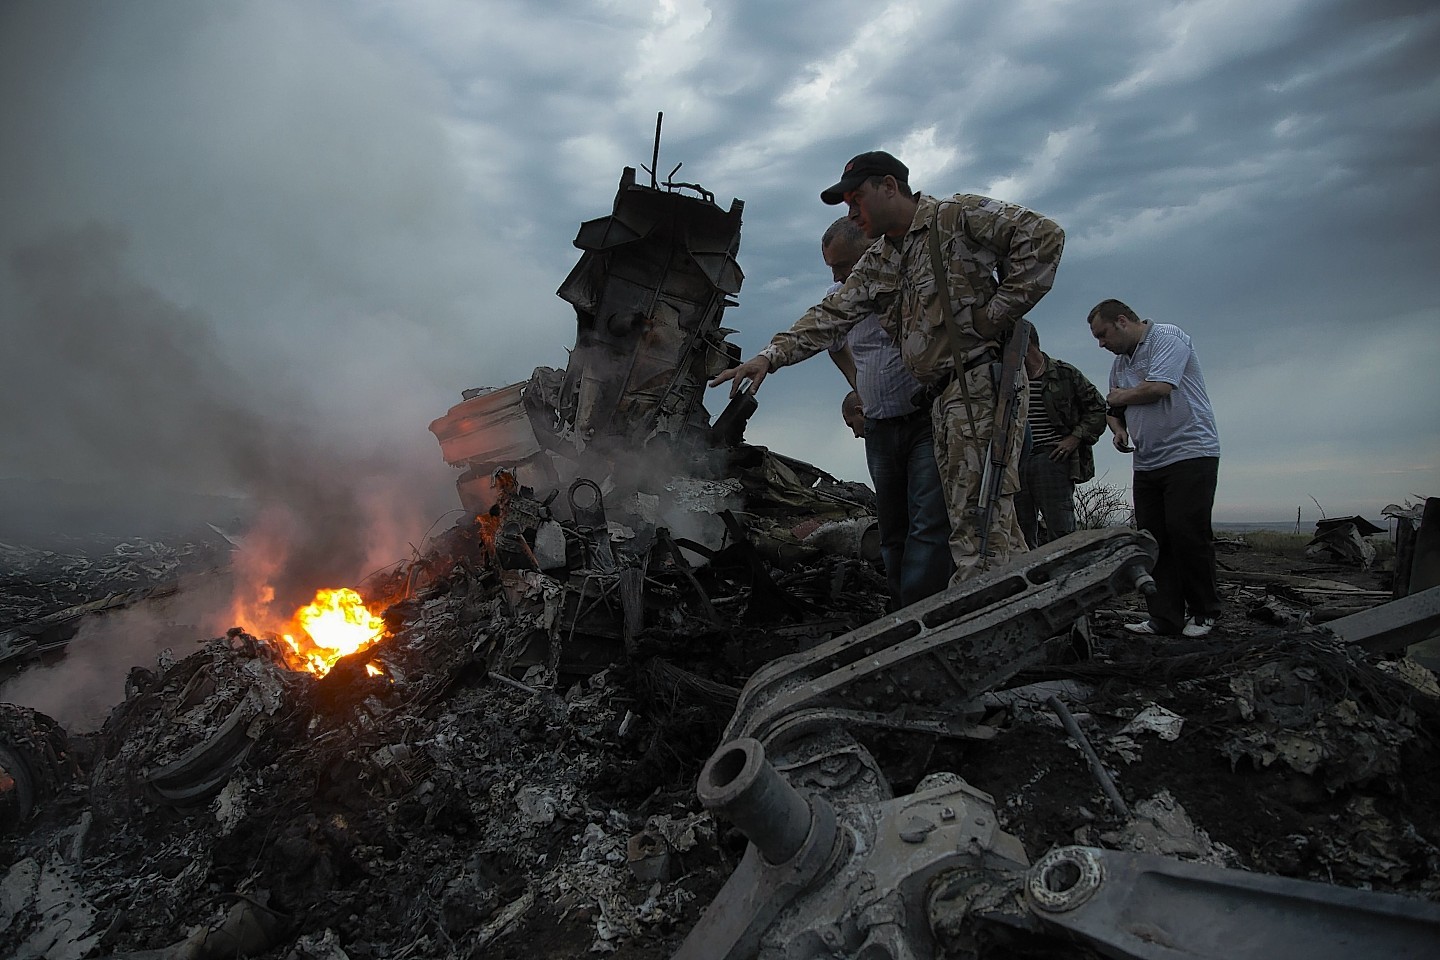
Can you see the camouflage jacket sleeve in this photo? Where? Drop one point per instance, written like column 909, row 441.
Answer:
column 1026, row 244
column 1076, row 407
column 825, row 325
column 1086, row 408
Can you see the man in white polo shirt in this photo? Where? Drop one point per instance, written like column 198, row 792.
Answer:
column 1160, row 410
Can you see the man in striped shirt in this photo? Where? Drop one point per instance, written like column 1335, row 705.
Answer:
column 1066, row 418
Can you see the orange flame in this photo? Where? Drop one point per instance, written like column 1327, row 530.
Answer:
column 337, row 623
column 489, row 523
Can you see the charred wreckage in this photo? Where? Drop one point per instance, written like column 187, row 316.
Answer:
column 516, row 767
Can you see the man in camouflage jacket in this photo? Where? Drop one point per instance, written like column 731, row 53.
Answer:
column 999, row 260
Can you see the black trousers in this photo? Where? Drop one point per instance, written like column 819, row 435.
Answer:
column 1174, row 504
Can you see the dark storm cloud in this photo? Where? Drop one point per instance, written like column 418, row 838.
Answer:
column 373, row 202
column 297, row 186
column 1252, row 174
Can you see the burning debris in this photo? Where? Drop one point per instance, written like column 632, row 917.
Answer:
column 336, row 624
column 494, row 749
column 445, row 808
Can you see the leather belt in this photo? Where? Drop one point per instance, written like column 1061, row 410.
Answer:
column 919, row 411
column 927, row 396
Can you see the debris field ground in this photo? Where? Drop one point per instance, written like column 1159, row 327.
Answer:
column 480, row 800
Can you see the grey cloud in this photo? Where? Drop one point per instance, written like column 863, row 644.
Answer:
column 373, row 203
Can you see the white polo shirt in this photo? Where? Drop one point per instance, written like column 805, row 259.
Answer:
column 1180, row 426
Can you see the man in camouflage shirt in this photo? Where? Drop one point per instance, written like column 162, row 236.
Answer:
column 1067, row 418
column 999, row 260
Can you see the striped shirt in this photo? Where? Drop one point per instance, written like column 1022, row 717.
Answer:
column 1043, row 432
column 884, row 384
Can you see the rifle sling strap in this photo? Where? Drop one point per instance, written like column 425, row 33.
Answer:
column 942, row 292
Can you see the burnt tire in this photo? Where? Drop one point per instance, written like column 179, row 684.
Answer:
column 17, row 790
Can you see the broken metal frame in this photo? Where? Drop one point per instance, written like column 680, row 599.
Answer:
column 1391, row 626
column 846, row 870
column 945, row 651
column 718, row 298
column 671, row 230
column 1151, row 907
column 854, row 890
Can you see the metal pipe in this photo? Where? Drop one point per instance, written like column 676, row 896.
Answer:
column 1078, row 735
column 741, row 786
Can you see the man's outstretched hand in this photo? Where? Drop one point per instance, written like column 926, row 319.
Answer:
column 753, row 370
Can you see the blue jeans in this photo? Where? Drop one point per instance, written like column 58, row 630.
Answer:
column 910, row 506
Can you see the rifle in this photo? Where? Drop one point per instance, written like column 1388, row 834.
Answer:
column 1008, row 391
column 1007, row 413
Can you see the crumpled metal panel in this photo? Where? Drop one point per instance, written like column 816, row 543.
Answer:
column 491, row 428
column 648, row 293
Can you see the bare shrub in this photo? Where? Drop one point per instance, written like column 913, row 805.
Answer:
column 1099, row 504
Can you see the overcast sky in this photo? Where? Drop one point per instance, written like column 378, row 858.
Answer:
column 238, row 231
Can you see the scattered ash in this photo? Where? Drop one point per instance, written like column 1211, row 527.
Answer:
column 518, row 779
column 36, row 583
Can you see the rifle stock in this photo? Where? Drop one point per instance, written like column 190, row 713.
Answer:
column 1007, row 410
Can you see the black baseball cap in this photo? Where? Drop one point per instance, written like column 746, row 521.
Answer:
column 876, row 163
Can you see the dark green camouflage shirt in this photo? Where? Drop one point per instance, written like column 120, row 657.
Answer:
column 1075, row 407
